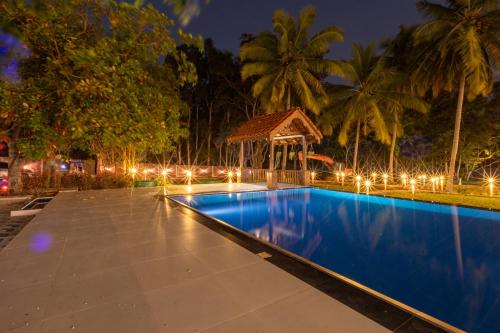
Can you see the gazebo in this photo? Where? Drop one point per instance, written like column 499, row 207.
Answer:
column 278, row 129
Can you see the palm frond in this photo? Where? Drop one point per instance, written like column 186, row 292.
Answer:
column 306, row 18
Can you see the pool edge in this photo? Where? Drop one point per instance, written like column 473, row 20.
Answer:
column 410, row 310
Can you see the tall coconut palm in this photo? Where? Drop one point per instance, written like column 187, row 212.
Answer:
column 460, row 46
column 372, row 93
column 289, row 63
column 399, row 53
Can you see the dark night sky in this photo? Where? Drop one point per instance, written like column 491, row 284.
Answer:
column 362, row 20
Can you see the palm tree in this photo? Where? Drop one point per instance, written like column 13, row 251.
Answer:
column 460, row 46
column 289, row 63
column 399, row 53
column 372, row 93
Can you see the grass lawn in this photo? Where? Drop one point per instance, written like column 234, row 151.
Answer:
column 472, row 200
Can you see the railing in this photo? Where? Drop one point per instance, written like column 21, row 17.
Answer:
column 290, row 176
column 253, row 175
column 248, row 175
column 280, row 176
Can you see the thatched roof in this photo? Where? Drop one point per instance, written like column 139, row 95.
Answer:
column 276, row 125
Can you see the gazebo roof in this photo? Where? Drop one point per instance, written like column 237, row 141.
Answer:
column 275, row 125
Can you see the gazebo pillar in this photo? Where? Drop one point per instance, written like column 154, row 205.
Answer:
column 304, row 177
column 284, row 158
column 271, row 175
column 240, row 172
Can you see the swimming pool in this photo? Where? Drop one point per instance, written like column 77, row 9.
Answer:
column 439, row 259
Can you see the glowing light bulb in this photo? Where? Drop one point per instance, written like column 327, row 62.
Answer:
column 491, row 185
column 342, row 174
column 412, row 183
column 358, row 183
column 337, row 174
column 164, row 172
column 385, row 176
column 374, row 176
column 367, row 186
column 133, row 171
column 403, row 179
column 313, row 175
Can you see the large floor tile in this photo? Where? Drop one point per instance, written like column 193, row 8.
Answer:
column 259, row 284
column 158, row 273
column 129, row 315
column 80, row 264
column 158, row 249
column 313, row 311
column 76, row 294
column 222, row 258
column 23, row 307
column 193, row 305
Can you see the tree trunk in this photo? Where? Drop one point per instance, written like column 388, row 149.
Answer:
column 188, row 142
column 196, row 138
column 391, row 154
column 209, row 140
column 220, row 154
column 456, row 135
column 356, row 145
column 179, row 153
column 15, row 180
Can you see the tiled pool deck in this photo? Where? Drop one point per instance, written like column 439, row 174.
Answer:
column 128, row 261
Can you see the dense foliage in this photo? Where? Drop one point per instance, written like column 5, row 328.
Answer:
column 93, row 80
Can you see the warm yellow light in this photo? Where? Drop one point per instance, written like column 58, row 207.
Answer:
column 413, row 181
column 133, row 171
column 368, row 183
column 385, row 176
column 189, row 173
column 313, row 174
column 491, row 180
column 238, row 174
column 230, row 174
column 164, row 172
column 358, row 178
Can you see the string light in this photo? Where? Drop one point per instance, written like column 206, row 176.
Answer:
column 368, row 183
column 412, row 183
column 385, row 176
column 358, row 182
column 491, row 185
column 403, row 179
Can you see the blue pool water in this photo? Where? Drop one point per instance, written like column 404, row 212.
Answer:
column 442, row 260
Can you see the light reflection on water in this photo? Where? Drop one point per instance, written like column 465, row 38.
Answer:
column 442, row 260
